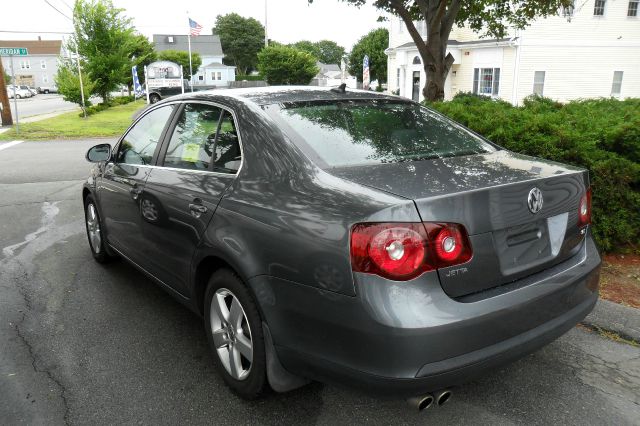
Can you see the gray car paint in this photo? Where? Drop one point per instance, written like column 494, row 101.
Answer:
column 283, row 224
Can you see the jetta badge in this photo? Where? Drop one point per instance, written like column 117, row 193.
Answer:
column 534, row 201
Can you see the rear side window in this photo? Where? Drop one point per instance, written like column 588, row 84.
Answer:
column 372, row 131
column 139, row 144
column 205, row 138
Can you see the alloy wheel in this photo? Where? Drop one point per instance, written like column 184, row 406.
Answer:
column 231, row 334
column 93, row 228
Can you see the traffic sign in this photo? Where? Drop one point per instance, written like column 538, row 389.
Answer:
column 13, row 51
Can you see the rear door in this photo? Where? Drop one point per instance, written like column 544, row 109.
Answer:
column 199, row 160
column 124, row 178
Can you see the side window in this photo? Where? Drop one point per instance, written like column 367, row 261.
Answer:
column 193, row 138
column 204, row 134
column 138, row 146
column 227, row 154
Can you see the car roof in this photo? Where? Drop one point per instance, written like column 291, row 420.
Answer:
column 284, row 94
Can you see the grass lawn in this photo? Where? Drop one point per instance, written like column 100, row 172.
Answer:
column 111, row 122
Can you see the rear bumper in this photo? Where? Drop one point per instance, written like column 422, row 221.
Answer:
column 410, row 338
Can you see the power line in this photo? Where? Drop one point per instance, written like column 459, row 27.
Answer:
column 57, row 10
column 36, row 32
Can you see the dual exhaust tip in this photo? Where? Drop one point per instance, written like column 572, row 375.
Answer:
column 423, row 402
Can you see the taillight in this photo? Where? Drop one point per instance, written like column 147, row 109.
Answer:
column 584, row 209
column 401, row 251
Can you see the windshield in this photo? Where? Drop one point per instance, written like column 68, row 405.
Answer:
column 344, row 133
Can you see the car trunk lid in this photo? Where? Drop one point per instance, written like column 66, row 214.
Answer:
column 489, row 195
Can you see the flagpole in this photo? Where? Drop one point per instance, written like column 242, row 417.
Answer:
column 190, row 65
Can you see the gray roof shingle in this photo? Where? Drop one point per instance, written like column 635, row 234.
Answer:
column 205, row 45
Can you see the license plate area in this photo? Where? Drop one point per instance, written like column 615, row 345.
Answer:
column 526, row 246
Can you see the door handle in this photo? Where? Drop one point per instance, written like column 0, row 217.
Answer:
column 135, row 191
column 197, row 209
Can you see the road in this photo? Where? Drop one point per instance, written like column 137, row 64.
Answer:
column 41, row 104
column 83, row 343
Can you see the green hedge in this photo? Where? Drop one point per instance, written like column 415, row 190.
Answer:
column 602, row 135
column 249, row 77
column 120, row 100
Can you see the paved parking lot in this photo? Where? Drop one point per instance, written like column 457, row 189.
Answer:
column 83, row 343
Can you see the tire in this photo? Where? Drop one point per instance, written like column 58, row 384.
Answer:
column 46, row 92
column 154, row 97
column 18, row 96
column 248, row 379
column 93, row 225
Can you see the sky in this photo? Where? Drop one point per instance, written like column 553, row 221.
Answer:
column 287, row 20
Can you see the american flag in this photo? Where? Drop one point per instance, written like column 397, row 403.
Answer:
column 365, row 73
column 195, row 27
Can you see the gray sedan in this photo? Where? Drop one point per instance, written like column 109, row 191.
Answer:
column 345, row 236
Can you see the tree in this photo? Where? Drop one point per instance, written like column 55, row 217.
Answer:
column 182, row 58
column 492, row 18
column 142, row 54
column 326, row 51
column 69, row 84
column 373, row 45
column 330, row 52
column 104, row 38
column 286, row 65
column 241, row 38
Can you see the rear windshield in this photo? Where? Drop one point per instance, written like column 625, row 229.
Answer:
column 374, row 131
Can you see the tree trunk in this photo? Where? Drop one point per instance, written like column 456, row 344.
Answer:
column 433, row 90
column 7, row 120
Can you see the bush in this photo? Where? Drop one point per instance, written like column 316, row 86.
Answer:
column 286, row 65
column 120, row 100
column 601, row 135
column 249, row 77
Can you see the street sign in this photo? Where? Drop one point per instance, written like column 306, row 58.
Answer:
column 13, row 51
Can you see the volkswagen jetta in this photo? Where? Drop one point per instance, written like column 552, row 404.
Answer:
column 345, row 236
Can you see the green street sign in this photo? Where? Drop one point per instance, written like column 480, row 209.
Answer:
column 13, row 51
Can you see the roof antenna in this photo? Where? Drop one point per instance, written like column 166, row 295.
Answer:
column 340, row 89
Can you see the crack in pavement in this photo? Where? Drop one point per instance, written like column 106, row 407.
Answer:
column 18, row 267
column 58, row 383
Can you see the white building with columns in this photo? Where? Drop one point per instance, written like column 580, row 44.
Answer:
column 588, row 51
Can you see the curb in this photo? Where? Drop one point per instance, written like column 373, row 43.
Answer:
column 614, row 317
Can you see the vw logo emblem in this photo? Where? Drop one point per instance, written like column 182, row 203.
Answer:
column 534, row 201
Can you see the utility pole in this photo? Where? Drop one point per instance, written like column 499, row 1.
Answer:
column 5, row 111
column 266, row 37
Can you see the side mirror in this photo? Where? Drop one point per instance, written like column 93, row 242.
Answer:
column 99, row 153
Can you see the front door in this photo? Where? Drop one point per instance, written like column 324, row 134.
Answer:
column 124, row 178
column 197, row 164
column 415, row 93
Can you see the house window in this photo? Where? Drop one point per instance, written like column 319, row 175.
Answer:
column 567, row 11
column 400, row 26
column 598, row 7
column 45, row 78
column 170, row 39
column 398, row 78
column 25, row 65
column 616, row 86
column 538, row 83
column 416, row 60
column 201, row 77
column 43, row 64
column 633, row 8
column 486, row 81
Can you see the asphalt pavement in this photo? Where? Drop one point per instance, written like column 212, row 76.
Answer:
column 41, row 104
column 82, row 343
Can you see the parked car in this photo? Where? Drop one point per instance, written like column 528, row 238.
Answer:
column 26, row 90
column 47, row 89
column 30, row 89
column 345, row 236
column 158, row 93
column 18, row 93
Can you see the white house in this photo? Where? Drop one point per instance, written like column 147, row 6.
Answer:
column 212, row 72
column 39, row 67
column 590, row 50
